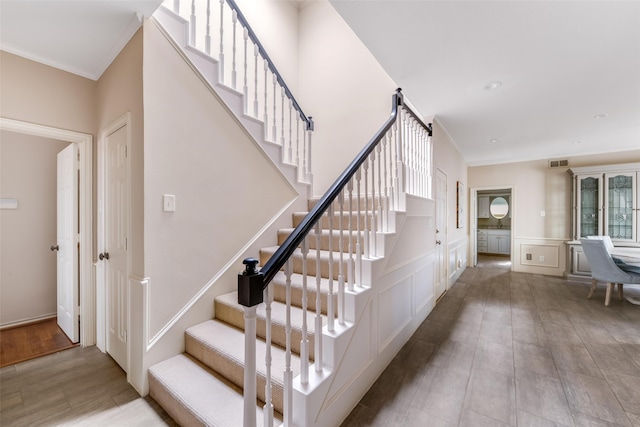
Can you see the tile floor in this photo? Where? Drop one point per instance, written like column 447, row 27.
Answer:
column 514, row 349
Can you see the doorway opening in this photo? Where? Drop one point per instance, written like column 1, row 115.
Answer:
column 492, row 224
column 86, row 301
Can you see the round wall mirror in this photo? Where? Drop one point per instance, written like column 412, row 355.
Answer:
column 499, row 207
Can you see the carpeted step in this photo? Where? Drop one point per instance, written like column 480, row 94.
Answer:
column 373, row 202
column 337, row 219
column 266, row 253
column 283, row 233
column 280, row 290
column 187, row 389
column 220, row 347
column 229, row 311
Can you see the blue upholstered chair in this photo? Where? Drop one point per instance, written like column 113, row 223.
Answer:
column 604, row 269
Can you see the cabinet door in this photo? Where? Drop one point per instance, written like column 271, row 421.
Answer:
column 494, row 244
column 504, row 244
column 620, row 209
column 588, row 205
column 483, row 207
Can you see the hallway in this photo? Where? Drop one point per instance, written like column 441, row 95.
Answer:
column 500, row 349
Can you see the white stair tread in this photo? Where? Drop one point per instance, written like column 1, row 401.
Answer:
column 209, row 398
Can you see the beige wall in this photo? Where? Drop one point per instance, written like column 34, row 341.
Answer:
column 119, row 91
column 27, row 265
column 37, row 93
column 342, row 86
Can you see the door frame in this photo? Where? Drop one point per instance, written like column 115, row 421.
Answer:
column 443, row 233
column 101, row 294
column 85, row 215
column 473, row 220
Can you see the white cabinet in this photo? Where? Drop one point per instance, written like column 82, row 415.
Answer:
column 483, row 241
column 604, row 202
column 483, row 207
column 494, row 241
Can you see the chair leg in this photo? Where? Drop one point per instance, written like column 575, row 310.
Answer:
column 593, row 288
column 620, row 291
column 607, row 297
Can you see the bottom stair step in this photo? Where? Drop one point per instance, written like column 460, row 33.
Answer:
column 194, row 395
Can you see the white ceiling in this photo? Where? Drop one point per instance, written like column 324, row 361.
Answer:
column 79, row 36
column 560, row 63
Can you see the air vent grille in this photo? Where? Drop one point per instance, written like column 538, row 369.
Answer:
column 558, row 163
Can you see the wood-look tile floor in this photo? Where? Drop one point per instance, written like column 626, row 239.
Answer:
column 77, row 387
column 514, row 349
column 500, row 349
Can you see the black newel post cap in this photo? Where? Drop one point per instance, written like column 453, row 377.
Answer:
column 250, row 284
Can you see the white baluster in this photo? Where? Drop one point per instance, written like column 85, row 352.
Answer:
column 274, row 130
column 265, row 117
column 249, row 386
column 318, row 328
column 308, row 167
column 358, row 230
column 385, row 200
column 366, row 237
column 245, row 88
column 268, row 406
column 221, row 57
column 297, row 163
column 393, row 166
column 283, row 143
column 373, row 217
column 304, row 342
column 256, row 52
column 288, row 373
column 176, row 7
column 350, row 267
column 379, row 195
column 330, row 308
column 207, row 37
column 234, row 19
column 192, row 24
column 341, row 306
column 290, row 152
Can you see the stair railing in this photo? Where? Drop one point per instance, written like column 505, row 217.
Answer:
column 243, row 60
column 396, row 162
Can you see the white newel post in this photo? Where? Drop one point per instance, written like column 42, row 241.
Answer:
column 250, row 387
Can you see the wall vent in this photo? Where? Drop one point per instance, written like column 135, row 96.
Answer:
column 558, row 163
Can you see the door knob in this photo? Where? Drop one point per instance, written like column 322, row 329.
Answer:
column 55, row 247
column 438, row 242
column 104, row 256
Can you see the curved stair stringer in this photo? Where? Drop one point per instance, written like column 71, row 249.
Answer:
column 176, row 30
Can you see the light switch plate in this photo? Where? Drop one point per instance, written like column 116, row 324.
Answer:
column 169, row 201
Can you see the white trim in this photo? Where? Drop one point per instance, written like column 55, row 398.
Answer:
column 473, row 220
column 85, row 147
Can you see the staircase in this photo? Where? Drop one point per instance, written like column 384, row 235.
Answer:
column 203, row 386
column 343, row 303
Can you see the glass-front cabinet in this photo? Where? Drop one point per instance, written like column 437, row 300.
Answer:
column 604, row 201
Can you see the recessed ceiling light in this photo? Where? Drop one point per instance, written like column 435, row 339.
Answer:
column 599, row 116
column 577, row 141
column 494, row 140
column 493, row 85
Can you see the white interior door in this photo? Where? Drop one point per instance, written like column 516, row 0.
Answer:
column 116, row 245
column 68, row 306
column 441, row 234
